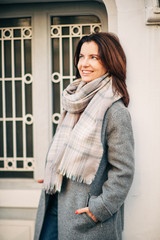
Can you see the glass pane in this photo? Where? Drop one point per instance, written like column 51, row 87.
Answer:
column 85, row 29
column 19, row 138
column 0, row 60
column 1, row 164
column 74, row 45
column 65, row 83
column 65, row 30
column 17, row 58
column 54, row 127
column 16, row 174
column 7, row 58
column 65, row 47
column 27, row 56
column 55, row 55
column 74, row 20
column 56, row 97
column 1, row 106
column 17, row 32
column 19, row 164
column 29, row 140
column 9, row 135
column 1, row 139
column 15, row 22
column 28, row 94
column 8, row 96
column 56, row 102
column 18, row 98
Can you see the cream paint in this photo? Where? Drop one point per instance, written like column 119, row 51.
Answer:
column 141, row 44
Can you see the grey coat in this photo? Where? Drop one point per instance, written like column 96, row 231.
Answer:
column 105, row 196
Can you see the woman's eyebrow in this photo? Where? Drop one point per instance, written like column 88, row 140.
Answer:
column 92, row 54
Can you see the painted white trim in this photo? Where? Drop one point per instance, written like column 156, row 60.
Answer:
column 112, row 15
column 19, row 193
column 17, row 229
column 19, row 198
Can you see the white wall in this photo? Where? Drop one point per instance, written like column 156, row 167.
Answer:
column 142, row 46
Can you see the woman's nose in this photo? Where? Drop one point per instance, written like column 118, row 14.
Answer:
column 85, row 62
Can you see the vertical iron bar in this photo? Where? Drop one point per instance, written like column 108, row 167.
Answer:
column 13, row 100
column 61, row 67
column 23, row 96
column 4, row 109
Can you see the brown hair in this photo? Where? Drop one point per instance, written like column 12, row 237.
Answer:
column 113, row 58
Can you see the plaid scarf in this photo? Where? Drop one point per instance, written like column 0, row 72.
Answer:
column 76, row 149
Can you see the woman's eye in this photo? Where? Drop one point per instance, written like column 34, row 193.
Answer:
column 80, row 56
column 93, row 57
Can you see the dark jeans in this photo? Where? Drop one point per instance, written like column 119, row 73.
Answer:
column 50, row 224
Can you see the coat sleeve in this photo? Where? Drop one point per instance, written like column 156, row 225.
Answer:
column 120, row 145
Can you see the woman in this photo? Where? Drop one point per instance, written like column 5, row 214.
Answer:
column 90, row 164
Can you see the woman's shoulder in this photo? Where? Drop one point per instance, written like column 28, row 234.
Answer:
column 117, row 115
column 117, row 122
column 117, row 106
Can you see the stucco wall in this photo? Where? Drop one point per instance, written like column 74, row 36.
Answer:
column 142, row 46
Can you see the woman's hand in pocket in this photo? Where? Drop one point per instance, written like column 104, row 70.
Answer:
column 40, row 180
column 88, row 212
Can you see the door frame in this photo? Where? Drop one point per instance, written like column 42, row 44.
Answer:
column 41, row 60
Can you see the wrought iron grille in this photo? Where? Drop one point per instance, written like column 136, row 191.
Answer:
column 16, row 118
column 64, row 39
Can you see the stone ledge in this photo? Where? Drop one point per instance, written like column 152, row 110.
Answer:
column 152, row 16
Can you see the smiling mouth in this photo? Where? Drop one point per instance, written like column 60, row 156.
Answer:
column 86, row 72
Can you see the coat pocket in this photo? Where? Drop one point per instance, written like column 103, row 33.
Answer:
column 83, row 221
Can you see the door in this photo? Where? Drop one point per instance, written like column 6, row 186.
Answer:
column 37, row 44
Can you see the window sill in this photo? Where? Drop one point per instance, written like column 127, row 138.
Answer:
column 153, row 16
column 19, row 193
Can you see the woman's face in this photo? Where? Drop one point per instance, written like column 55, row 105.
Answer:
column 89, row 65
